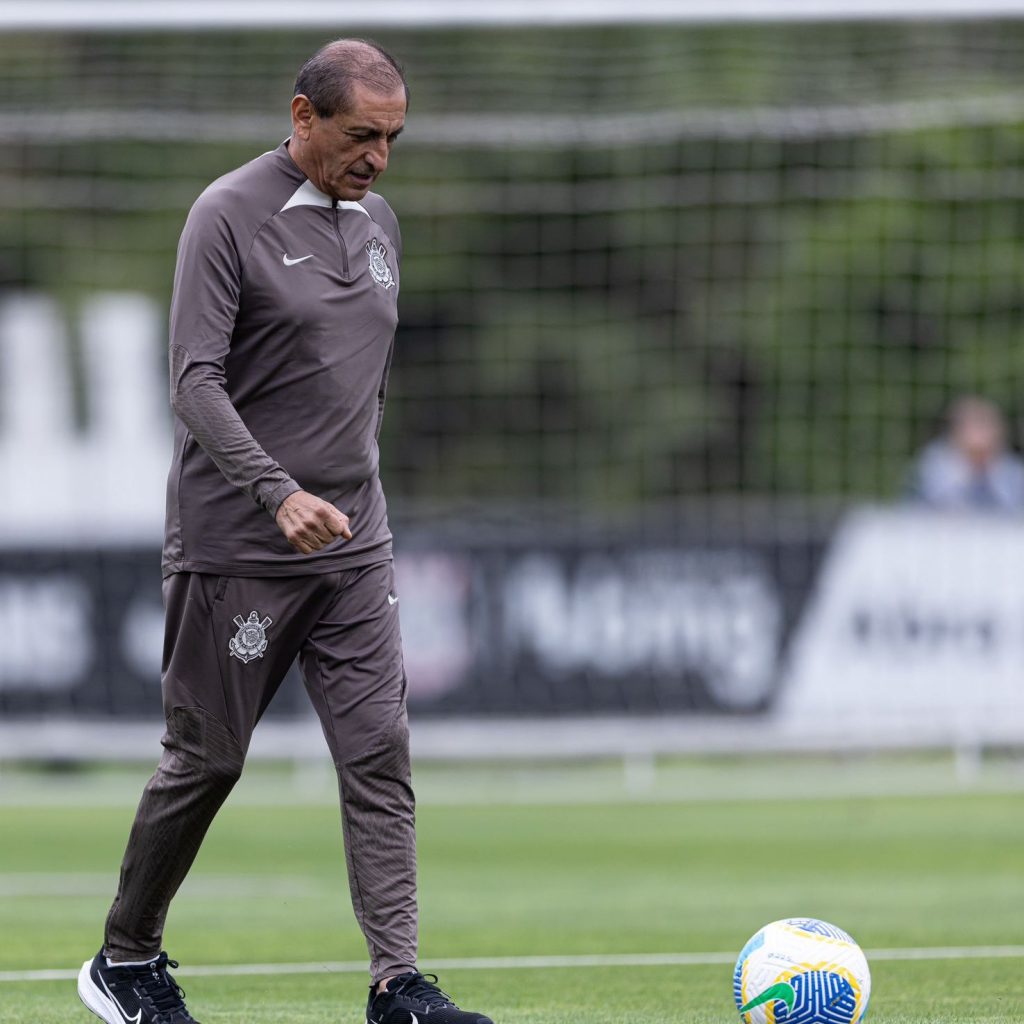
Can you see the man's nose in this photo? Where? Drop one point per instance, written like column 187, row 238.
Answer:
column 377, row 155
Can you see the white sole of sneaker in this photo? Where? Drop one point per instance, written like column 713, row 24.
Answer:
column 96, row 999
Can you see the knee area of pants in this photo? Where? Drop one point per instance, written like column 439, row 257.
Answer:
column 221, row 773
column 205, row 745
column 387, row 750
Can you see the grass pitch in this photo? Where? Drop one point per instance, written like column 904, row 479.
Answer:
column 587, row 876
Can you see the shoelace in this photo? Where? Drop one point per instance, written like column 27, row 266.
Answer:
column 423, row 987
column 167, row 995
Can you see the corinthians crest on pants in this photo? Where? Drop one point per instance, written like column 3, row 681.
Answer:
column 379, row 269
column 251, row 639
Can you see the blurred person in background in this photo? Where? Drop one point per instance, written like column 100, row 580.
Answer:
column 277, row 542
column 971, row 465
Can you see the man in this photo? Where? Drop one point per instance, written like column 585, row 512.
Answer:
column 972, row 466
column 277, row 544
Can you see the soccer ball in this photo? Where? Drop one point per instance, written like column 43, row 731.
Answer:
column 801, row 971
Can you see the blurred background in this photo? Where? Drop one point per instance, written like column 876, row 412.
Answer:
column 702, row 432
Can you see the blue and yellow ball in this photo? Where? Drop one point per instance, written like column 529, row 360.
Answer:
column 801, row 971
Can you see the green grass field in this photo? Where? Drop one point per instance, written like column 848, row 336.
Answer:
column 582, row 872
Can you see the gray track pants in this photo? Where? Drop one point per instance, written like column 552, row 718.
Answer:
column 229, row 642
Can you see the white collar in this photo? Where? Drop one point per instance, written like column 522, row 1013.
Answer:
column 307, row 194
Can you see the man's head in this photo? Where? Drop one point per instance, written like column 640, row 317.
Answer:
column 977, row 429
column 349, row 107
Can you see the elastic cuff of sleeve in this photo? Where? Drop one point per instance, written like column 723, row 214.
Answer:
column 273, row 498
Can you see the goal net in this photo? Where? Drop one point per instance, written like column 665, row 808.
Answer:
column 677, row 296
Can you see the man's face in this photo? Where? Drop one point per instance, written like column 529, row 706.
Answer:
column 980, row 438
column 349, row 151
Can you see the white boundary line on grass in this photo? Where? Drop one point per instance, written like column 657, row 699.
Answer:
column 504, row 963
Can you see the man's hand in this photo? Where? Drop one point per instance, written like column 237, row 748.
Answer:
column 310, row 523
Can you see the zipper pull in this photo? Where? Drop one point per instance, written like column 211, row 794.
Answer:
column 341, row 241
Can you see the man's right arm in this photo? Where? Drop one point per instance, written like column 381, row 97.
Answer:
column 201, row 402
column 207, row 285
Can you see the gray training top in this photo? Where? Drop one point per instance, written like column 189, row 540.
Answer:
column 281, row 332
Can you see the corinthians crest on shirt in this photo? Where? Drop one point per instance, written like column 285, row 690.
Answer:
column 251, row 639
column 379, row 269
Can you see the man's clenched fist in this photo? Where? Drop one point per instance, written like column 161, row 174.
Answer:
column 310, row 523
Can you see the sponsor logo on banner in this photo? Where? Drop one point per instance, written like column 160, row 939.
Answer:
column 48, row 633
column 706, row 618
column 436, row 627
column 917, row 623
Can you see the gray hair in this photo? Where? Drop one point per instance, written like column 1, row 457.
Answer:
column 328, row 76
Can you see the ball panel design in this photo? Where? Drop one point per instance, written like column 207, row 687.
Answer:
column 739, row 974
column 822, row 997
column 811, row 926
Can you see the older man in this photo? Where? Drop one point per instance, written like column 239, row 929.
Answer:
column 277, row 543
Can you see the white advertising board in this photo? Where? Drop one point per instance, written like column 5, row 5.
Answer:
column 914, row 632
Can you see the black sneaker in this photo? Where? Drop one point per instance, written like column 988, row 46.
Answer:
column 143, row 994
column 415, row 999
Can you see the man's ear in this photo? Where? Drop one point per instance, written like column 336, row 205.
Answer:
column 302, row 116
